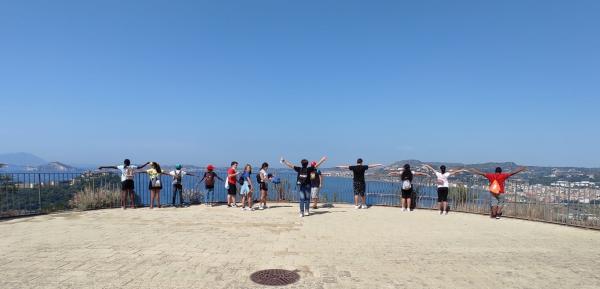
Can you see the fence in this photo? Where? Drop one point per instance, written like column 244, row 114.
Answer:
column 34, row 193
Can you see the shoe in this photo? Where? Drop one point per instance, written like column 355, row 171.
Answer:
column 357, row 207
column 251, row 209
column 364, row 207
column 403, row 209
column 307, row 213
column 261, row 208
column 301, row 215
column 446, row 213
column 243, row 208
column 497, row 217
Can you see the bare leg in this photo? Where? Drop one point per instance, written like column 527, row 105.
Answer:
column 499, row 212
column 445, row 206
column 364, row 200
column 151, row 199
column 243, row 201
column 132, row 199
column 408, row 203
column 123, row 198
column 250, row 201
column 494, row 211
column 356, row 200
column 157, row 192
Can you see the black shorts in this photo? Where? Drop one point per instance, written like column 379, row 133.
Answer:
column 127, row 185
column 177, row 187
column 407, row 193
column 232, row 189
column 442, row 194
column 360, row 188
column 264, row 187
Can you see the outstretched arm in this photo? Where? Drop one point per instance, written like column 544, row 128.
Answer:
column 396, row 173
column 375, row 165
column 323, row 159
column 428, row 167
column 342, row 167
column 142, row 166
column 456, row 172
column 518, row 170
column 476, row 172
column 108, row 167
column 420, row 174
column 219, row 178
column 287, row 163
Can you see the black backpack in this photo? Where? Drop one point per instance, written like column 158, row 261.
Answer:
column 241, row 180
column 303, row 176
column 258, row 179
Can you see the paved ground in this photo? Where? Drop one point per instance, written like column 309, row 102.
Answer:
column 341, row 247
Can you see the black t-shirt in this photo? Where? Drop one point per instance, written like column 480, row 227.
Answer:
column 315, row 178
column 309, row 170
column 359, row 173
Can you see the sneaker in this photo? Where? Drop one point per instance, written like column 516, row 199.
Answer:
column 251, row 209
column 261, row 208
column 307, row 213
column 364, row 207
column 243, row 208
column 403, row 209
column 498, row 217
column 446, row 213
column 301, row 215
column 441, row 212
column 357, row 207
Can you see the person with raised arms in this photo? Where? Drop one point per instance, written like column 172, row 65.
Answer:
column 316, row 182
column 209, row 184
column 497, row 182
column 443, row 185
column 303, row 181
column 127, row 185
column 231, row 184
column 359, row 183
column 177, row 175
column 406, row 176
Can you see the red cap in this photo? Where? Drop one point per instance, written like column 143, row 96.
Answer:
column 210, row 167
column 313, row 164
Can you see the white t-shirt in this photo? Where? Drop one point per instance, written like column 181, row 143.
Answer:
column 177, row 173
column 263, row 173
column 442, row 179
column 127, row 173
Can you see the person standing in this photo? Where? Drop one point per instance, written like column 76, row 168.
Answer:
column 209, row 184
column 127, row 184
column 497, row 185
column 247, row 188
column 316, row 182
column 443, row 185
column 303, row 181
column 155, row 185
column 406, row 177
column 359, row 184
column 177, row 175
column 231, row 184
column 263, row 179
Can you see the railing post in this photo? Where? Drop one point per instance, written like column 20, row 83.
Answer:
column 568, row 204
column 40, row 192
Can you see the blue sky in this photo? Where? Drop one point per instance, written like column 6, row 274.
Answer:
column 198, row 82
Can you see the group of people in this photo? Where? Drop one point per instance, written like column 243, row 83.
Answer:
column 309, row 181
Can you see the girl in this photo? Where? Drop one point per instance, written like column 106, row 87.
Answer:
column 263, row 178
column 155, row 184
column 246, row 191
column 209, row 184
column 406, row 176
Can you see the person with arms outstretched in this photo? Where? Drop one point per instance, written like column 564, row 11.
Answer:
column 303, row 181
column 177, row 175
column 209, row 184
column 155, row 183
column 443, row 185
column 359, row 184
column 406, row 176
column 497, row 182
column 127, row 185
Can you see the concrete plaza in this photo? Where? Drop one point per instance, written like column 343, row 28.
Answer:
column 340, row 247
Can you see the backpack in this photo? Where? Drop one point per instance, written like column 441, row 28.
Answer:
column 129, row 172
column 495, row 187
column 177, row 177
column 258, row 178
column 406, row 185
column 303, row 176
column 209, row 179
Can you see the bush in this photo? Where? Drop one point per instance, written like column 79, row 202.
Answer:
column 98, row 198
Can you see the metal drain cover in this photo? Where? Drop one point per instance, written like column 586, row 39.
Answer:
column 275, row 277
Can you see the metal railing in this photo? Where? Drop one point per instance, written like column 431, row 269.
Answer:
column 34, row 193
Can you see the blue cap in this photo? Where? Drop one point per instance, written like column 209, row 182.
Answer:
column 178, row 167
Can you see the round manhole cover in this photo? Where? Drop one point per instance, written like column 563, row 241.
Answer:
column 275, row 277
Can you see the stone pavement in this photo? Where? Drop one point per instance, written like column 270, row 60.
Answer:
column 339, row 247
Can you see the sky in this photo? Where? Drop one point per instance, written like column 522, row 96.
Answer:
column 197, row 82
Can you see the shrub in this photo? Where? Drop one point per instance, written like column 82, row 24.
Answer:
column 98, row 198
